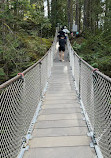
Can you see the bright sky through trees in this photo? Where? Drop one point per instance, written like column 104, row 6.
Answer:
column 45, row 9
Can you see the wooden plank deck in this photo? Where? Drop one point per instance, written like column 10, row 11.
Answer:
column 60, row 131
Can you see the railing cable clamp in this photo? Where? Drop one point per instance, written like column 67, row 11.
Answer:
column 40, row 63
column 21, row 76
column 24, row 142
column 96, row 69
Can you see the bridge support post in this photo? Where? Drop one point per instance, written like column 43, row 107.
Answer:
column 79, row 78
column 40, row 65
column 73, row 63
column 96, row 134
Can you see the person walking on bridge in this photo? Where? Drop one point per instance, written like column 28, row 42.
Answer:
column 66, row 31
column 62, row 43
column 61, row 33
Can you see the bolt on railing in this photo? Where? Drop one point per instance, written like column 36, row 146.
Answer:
column 20, row 97
column 94, row 91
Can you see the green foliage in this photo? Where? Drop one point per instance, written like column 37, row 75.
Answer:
column 21, row 52
column 76, row 46
column 96, row 50
column 24, row 31
column 58, row 13
column 2, row 72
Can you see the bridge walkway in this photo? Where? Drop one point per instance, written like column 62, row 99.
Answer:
column 60, row 131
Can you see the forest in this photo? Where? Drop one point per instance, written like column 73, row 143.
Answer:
column 27, row 28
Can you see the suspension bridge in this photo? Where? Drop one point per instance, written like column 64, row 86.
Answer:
column 56, row 109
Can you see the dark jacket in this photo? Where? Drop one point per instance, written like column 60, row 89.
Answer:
column 61, row 33
column 62, row 43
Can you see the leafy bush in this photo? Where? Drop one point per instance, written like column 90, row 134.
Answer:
column 96, row 50
column 76, row 46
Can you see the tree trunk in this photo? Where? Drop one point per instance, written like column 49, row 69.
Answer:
column 79, row 21
column 2, row 7
column 53, row 16
column 106, row 14
column 48, row 6
column 86, row 23
column 77, row 14
column 70, row 13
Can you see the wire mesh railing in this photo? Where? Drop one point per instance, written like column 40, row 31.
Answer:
column 94, row 91
column 20, row 97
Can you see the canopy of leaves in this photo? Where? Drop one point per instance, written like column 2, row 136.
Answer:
column 94, row 26
column 25, row 33
column 23, row 36
column 96, row 50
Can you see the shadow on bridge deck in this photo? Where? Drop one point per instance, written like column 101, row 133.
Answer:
column 60, row 131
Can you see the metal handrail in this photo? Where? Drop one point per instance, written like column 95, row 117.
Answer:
column 94, row 91
column 20, row 99
column 4, row 85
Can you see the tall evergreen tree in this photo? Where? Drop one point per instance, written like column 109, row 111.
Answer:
column 58, row 13
column 70, row 13
column 48, row 7
column 78, row 14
